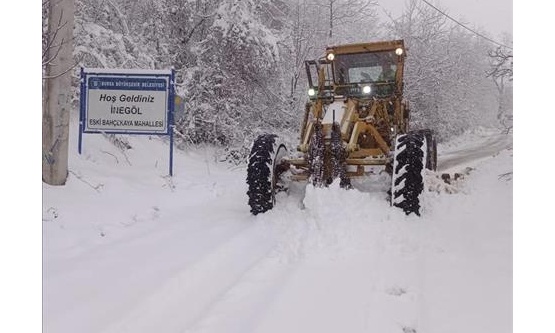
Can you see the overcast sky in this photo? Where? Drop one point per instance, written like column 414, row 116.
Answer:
column 494, row 16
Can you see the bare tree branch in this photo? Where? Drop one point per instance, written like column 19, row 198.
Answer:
column 52, row 48
column 502, row 63
column 62, row 73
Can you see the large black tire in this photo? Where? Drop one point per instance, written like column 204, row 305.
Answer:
column 263, row 172
column 408, row 168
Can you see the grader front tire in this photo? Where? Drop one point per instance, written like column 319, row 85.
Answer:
column 407, row 179
column 262, row 175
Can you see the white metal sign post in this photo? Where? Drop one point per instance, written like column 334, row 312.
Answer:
column 125, row 101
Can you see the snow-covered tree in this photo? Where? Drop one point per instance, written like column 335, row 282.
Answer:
column 340, row 13
column 234, row 88
column 501, row 72
column 108, row 34
column 445, row 78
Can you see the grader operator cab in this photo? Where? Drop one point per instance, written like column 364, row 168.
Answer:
column 354, row 122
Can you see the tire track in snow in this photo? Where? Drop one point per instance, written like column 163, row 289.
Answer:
column 163, row 234
column 239, row 308
column 130, row 272
column 243, row 304
column 169, row 308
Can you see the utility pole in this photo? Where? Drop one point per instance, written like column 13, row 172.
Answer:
column 56, row 95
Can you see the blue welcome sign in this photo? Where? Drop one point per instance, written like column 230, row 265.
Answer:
column 124, row 101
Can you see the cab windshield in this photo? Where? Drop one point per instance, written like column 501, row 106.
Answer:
column 365, row 67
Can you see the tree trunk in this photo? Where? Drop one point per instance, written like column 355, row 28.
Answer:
column 57, row 92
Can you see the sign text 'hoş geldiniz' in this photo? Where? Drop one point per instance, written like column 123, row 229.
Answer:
column 127, row 101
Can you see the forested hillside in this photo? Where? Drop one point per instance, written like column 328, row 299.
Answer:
column 240, row 70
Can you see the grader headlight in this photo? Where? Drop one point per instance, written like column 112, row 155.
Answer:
column 311, row 92
column 366, row 89
column 399, row 51
column 330, row 56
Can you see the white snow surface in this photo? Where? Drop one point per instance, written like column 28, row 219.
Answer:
column 126, row 248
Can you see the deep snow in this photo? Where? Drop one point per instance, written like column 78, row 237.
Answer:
column 128, row 249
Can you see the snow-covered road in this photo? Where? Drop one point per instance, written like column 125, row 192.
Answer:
column 464, row 154
column 129, row 250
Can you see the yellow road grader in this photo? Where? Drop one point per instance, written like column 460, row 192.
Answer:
column 355, row 122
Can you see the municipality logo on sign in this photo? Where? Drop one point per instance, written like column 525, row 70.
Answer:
column 94, row 83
